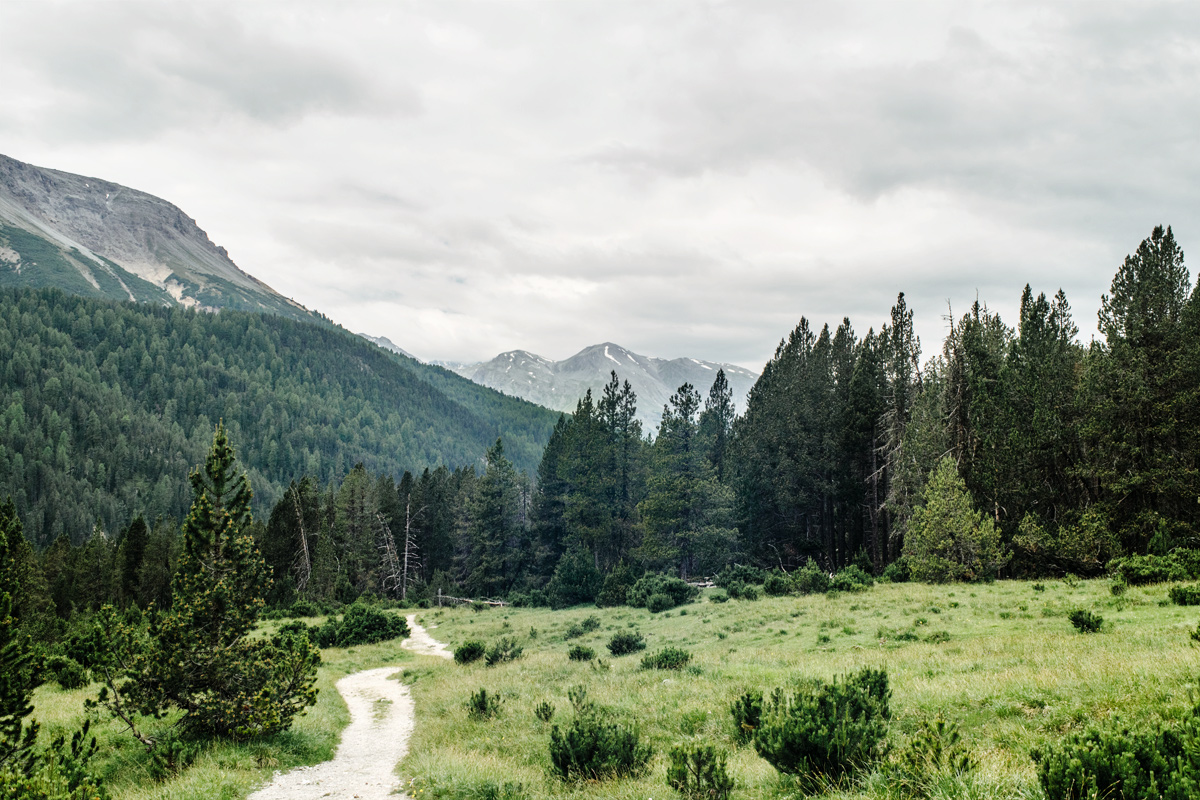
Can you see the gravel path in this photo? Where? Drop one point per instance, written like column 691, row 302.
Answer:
column 381, row 722
column 421, row 642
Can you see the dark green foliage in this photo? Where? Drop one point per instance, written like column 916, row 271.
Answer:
column 200, row 657
column 851, row 579
column 897, row 571
column 303, row 608
column 67, row 672
column 592, row 748
column 659, row 602
column 667, row 658
column 719, row 597
column 361, row 624
column 740, row 573
column 778, row 584
column 104, row 406
column 616, row 587
column 16, row 679
column 1085, row 621
column 469, row 651
column 1142, row 570
column 483, row 705
column 651, row 584
column 743, row 591
column 1117, row 763
column 580, row 653
column 590, row 623
column 811, row 579
column 504, row 650
column 747, row 715
column 827, row 730
column 576, row 579
column 574, row 631
column 698, row 771
column 625, row 642
column 171, row 756
column 1187, row 595
column 938, row 637
column 544, row 711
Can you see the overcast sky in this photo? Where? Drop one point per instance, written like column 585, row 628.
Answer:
column 683, row 178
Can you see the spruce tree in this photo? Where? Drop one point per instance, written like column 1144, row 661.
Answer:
column 201, row 658
column 16, row 736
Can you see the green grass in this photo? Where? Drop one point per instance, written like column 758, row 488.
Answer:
column 1013, row 674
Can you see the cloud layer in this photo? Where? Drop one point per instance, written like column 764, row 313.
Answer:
column 683, row 178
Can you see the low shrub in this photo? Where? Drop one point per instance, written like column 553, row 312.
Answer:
column 667, row 658
column 1185, row 595
column 544, row 711
column 590, row 623
column 811, row 579
column 1102, row 763
column 935, row 751
column 615, row 590
column 1085, row 621
column 574, row 631
column 361, row 624
column 778, row 584
column 651, row 584
column 483, row 705
column 742, row 591
column 592, row 748
column 581, row 653
column 303, row 608
column 938, row 637
column 698, row 771
column 827, row 730
column 741, row 573
column 504, row 650
column 1141, row 570
column 719, row 597
column 625, row 642
column 851, row 579
column 1118, row 586
column 659, row 602
column 896, row 572
column 67, row 672
column 469, row 651
column 747, row 715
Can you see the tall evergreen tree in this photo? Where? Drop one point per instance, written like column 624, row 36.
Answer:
column 716, row 422
column 17, row 736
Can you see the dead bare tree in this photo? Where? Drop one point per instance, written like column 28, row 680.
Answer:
column 392, row 576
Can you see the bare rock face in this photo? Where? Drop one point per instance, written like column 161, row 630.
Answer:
column 560, row 384
column 74, row 232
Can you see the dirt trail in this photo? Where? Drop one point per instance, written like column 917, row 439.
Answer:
column 381, row 722
column 421, row 642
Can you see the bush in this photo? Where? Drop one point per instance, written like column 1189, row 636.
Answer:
column 574, row 631
column 719, row 597
column 651, row 584
column 1085, row 621
column 739, row 573
column 896, row 572
column 590, row 623
column 303, row 608
column 361, row 624
column 67, row 672
column 626, row 642
column 1141, row 570
column 742, row 591
column 581, row 653
column 1118, row 764
column 659, row 602
column 469, row 651
column 935, row 751
column 777, row 584
column 544, row 711
column 667, row 658
column 504, row 650
column 851, row 579
column 747, row 715
column 811, row 579
column 827, row 729
column 947, row 539
column 699, row 771
column 616, row 587
column 483, row 705
column 1188, row 595
column 593, row 749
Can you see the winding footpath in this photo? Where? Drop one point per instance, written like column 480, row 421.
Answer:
column 381, row 722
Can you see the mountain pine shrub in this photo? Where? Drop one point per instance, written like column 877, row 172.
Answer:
column 824, row 731
column 851, row 578
column 506, row 649
column 590, row 623
column 544, row 711
column 651, row 584
column 698, row 771
column 1159, row 764
column 667, row 658
column 659, row 602
column 593, row 748
column 625, row 642
column 361, row 624
column 1185, row 595
column 811, row 579
column 1085, row 621
column 469, row 651
column 580, row 653
column 482, row 705
column 747, row 715
column 935, row 752
column 1142, row 570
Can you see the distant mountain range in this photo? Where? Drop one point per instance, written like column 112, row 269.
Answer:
column 96, row 238
column 560, row 384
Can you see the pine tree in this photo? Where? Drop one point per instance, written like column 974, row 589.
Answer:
column 132, row 553
column 716, row 422
column 947, row 538
column 16, row 688
column 201, row 658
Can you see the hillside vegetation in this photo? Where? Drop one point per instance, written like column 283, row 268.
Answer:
column 105, row 406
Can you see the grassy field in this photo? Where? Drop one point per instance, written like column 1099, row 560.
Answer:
column 1010, row 670
column 1000, row 660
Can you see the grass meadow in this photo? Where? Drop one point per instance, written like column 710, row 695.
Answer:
column 1000, row 660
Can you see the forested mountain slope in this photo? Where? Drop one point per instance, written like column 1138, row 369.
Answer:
column 96, row 238
column 105, row 407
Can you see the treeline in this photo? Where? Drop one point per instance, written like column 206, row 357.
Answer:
column 1013, row 451
column 103, row 407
